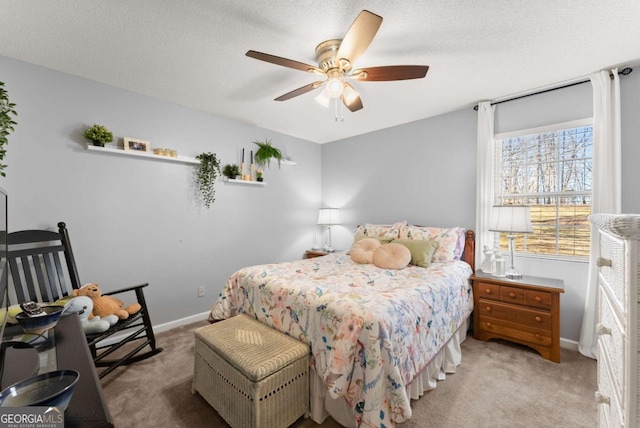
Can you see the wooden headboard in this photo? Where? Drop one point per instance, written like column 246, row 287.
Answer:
column 469, row 254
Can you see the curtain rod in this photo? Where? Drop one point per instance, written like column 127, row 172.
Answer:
column 625, row 71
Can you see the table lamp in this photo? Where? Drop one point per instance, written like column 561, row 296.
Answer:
column 511, row 219
column 328, row 217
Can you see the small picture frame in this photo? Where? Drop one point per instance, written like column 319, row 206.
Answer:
column 137, row 144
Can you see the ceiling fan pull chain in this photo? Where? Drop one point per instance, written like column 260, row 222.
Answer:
column 341, row 110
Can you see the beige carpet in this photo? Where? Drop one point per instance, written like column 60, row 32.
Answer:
column 498, row 384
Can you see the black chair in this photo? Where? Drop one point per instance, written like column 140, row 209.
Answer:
column 42, row 269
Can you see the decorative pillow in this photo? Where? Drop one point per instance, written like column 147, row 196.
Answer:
column 361, row 237
column 421, row 250
column 462, row 239
column 380, row 230
column 362, row 251
column 391, row 256
column 447, row 239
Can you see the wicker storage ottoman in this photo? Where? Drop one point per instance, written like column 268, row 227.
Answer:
column 253, row 375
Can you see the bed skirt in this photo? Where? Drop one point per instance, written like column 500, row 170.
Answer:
column 445, row 361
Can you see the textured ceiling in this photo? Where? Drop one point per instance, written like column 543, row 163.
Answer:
column 192, row 52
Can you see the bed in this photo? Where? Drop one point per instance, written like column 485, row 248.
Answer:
column 378, row 337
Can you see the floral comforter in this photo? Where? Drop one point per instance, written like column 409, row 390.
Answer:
column 371, row 330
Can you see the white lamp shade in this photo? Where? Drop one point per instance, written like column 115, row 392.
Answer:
column 323, row 98
column 328, row 216
column 511, row 218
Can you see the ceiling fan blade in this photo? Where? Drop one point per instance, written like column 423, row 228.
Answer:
column 390, row 72
column 303, row 90
column 282, row 61
column 359, row 36
column 350, row 98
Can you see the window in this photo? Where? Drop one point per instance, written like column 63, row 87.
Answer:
column 548, row 169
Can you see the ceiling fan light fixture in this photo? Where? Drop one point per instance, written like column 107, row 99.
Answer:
column 349, row 94
column 323, row 98
column 334, row 87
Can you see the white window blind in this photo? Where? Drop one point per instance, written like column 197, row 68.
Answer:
column 550, row 170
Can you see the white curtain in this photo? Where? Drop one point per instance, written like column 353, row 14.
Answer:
column 485, row 179
column 606, row 187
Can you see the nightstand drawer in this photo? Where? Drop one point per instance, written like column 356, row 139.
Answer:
column 539, row 299
column 489, row 291
column 516, row 314
column 514, row 331
column 512, row 294
column 525, row 310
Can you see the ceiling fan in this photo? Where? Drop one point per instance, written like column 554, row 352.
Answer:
column 335, row 63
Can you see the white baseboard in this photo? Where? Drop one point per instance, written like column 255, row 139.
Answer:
column 571, row 345
column 180, row 322
column 164, row 327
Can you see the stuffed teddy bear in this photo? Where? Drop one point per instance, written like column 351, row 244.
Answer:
column 105, row 305
column 83, row 306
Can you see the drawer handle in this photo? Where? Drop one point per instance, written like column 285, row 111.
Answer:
column 601, row 261
column 602, row 399
column 602, row 329
column 538, row 319
column 489, row 309
column 488, row 291
column 512, row 294
column 537, row 335
column 488, row 324
column 538, row 299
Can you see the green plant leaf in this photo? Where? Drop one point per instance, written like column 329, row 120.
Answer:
column 205, row 177
column 266, row 152
column 7, row 109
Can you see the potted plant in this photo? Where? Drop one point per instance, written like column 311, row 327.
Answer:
column 7, row 109
column 259, row 174
column 99, row 135
column 231, row 171
column 266, row 152
column 205, row 176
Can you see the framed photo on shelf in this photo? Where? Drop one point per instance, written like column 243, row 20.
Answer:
column 137, row 144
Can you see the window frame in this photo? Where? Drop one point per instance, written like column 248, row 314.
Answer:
column 539, row 130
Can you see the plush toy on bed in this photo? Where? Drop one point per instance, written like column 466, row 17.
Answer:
column 83, row 306
column 105, row 305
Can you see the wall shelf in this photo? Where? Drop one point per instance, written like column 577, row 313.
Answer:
column 255, row 183
column 121, row 152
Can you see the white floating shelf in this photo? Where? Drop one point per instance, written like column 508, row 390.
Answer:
column 146, row 155
column 255, row 183
column 288, row 162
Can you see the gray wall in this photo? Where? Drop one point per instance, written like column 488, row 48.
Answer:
column 630, row 112
column 134, row 220
column 137, row 221
column 424, row 172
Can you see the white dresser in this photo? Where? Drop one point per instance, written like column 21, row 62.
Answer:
column 618, row 322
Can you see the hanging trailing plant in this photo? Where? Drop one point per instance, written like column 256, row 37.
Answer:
column 206, row 174
column 7, row 109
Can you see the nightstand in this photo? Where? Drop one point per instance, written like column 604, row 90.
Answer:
column 310, row 254
column 526, row 311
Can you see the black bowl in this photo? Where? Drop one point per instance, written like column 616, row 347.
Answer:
column 53, row 389
column 40, row 323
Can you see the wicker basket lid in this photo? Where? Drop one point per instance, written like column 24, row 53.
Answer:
column 255, row 349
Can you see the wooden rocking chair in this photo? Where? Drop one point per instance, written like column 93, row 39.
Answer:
column 42, row 269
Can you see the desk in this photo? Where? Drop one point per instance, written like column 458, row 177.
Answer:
column 87, row 407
